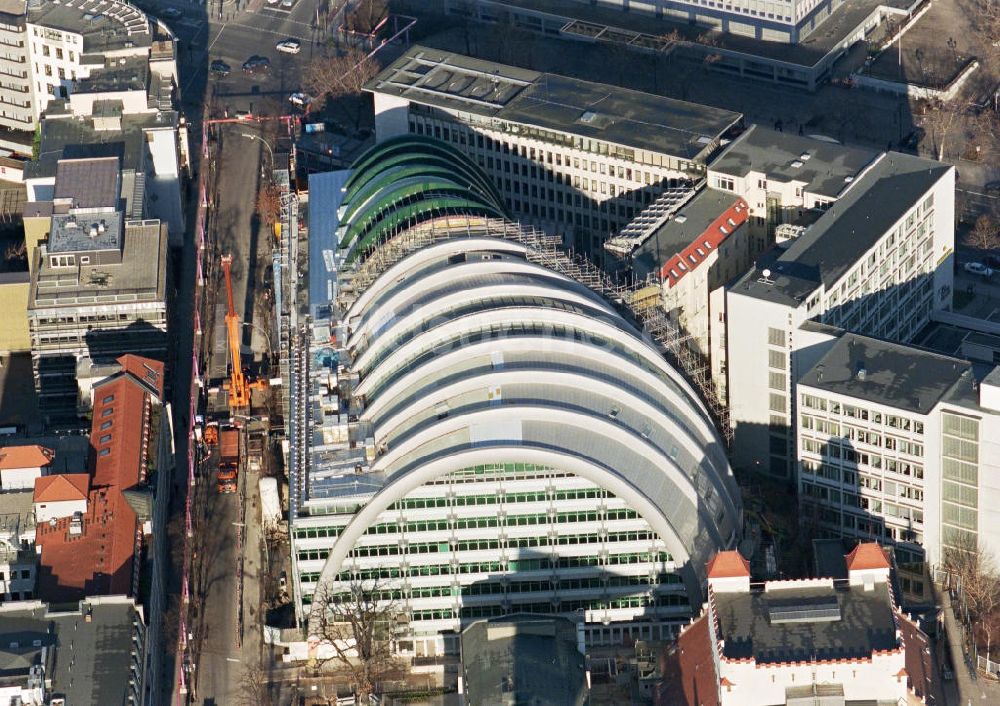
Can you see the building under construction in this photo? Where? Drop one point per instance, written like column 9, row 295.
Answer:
column 479, row 425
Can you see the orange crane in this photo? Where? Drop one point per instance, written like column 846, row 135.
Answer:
column 239, row 388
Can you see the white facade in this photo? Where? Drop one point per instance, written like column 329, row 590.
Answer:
column 884, row 279
column 923, row 479
column 19, row 478
column 553, row 168
column 54, row 509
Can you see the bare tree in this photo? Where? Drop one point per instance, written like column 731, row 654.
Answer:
column 340, row 77
column 939, row 119
column 365, row 15
column 16, row 251
column 977, row 571
column 268, row 204
column 254, row 689
column 985, row 233
column 359, row 625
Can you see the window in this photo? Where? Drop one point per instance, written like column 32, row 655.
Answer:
column 775, row 337
column 109, row 399
column 104, row 452
column 105, row 439
column 777, row 403
column 108, row 412
column 724, row 183
column 106, row 425
column 776, row 381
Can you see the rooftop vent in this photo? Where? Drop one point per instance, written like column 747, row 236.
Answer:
column 680, row 218
column 796, row 164
column 588, row 116
column 848, row 179
column 93, row 230
column 805, row 156
column 860, row 372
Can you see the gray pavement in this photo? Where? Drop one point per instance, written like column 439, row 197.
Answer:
column 967, row 689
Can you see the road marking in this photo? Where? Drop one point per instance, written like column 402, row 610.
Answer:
column 221, row 30
column 231, row 659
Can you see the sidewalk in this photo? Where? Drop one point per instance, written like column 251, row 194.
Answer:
column 967, row 689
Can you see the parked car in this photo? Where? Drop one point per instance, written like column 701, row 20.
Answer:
column 289, row 46
column 243, row 115
column 978, row 268
column 220, row 68
column 287, row 4
column 171, row 13
column 273, row 2
column 256, row 65
column 300, row 100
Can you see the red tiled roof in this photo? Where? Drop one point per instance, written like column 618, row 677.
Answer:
column 689, row 677
column 99, row 561
column 147, row 371
column 718, row 230
column 728, row 564
column 867, row 555
column 33, row 456
column 62, row 487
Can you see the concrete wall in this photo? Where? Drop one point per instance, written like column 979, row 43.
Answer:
column 391, row 116
column 14, row 336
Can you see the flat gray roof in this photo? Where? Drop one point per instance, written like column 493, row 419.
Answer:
column 70, row 138
column 141, row 276
column 17, row 511
column 552, row 102
column 72, row 233
column 690, row 221
column 849, row 228
column 88, row 661
column 823, row 40
column 523, row 659
column 865, row 623
column 895, row 375
column 105, row 25
column 88, row 183
column 784, row 157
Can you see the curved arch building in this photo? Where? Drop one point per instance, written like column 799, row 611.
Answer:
column 518, row 446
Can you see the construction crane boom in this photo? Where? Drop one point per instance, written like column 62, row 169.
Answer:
column 239, row 389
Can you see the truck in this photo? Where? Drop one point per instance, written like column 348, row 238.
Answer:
column 229, row 461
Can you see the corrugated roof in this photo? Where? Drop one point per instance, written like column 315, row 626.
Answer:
column 62, row 487
column 32, row 456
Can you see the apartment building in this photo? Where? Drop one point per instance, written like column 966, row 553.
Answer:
column 877, row 262
column 18, row 560
column 689, row 259
column 898, row 445
column 16, row 87
column 98, row 282
column 94, row 652
column 832, row 639
column 575, row 158
column 482, row 434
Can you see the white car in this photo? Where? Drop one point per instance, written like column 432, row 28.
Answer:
column 273, row 2
column 289, row 46
column 978, row 268
column 300, row 100
column 286, row 3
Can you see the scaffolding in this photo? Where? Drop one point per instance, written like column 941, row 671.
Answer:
column 546, row 250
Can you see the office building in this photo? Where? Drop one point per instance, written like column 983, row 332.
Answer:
column 787, row 23
column 877, row 262
column 575, row 158
column 17, row 90
column 98, row 282
column 827, row 640
column 94, row 652
column 787, row 180
column 895, row 444
column 476, row 428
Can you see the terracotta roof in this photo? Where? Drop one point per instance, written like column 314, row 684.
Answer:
column 728, row 564
column 100, row 560
column 867, row 555
column 62, row 487
column 33, row 456
column 689, row 677
column 147, row 371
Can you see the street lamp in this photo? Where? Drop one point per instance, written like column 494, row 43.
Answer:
column 251, row 136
